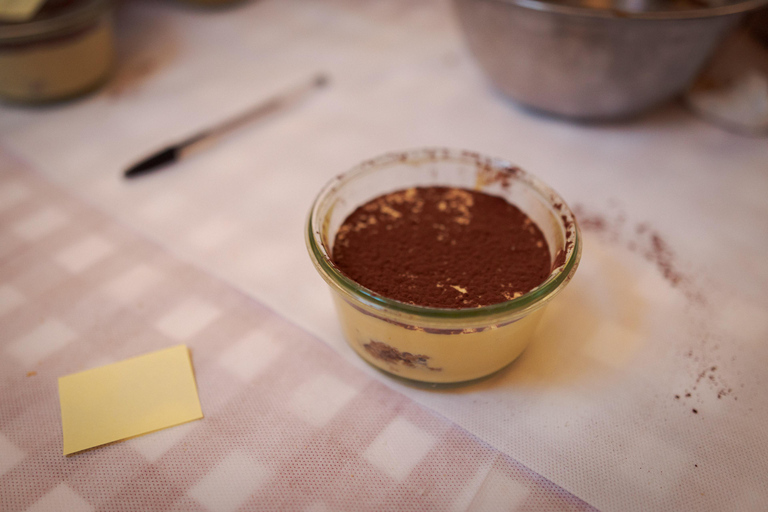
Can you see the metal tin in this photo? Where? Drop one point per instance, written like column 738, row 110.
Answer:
column 64, row 51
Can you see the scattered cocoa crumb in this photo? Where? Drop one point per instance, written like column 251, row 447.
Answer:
column 642, row 239
column 695, row 411
column 591, row 223
column 646, row 241
column 710, row 375
column 663, row 257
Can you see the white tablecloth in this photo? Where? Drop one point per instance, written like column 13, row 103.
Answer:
column 672, row 282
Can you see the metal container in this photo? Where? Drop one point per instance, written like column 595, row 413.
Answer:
column 594, row 59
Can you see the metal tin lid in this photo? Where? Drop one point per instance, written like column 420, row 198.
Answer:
column 56, row 18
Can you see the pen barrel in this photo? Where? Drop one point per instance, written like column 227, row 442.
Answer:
column 209, row 137
column 260, row 110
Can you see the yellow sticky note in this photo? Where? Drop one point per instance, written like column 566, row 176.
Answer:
column 127, row 399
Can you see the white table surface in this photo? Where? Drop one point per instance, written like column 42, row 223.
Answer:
column 591, row 405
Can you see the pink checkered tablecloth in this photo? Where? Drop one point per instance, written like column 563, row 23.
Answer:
column 645, row 388
column 289, row 424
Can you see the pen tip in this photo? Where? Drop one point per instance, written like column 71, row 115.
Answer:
column 160, row 159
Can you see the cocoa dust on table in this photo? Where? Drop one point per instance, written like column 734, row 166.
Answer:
column 644, row 240
column 442, row 247
column 647, row 242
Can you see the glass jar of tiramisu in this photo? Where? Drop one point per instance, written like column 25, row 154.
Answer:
column 441, row 344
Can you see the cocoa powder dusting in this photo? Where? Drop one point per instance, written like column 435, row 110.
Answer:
column 442, row 247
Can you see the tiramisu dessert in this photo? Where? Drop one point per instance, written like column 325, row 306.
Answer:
column 443, row 279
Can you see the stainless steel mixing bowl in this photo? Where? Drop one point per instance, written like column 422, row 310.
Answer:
column 595, row 59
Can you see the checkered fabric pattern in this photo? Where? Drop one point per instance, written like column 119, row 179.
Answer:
column 289, row 425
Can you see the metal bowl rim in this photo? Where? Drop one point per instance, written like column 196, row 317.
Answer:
column 617, row 14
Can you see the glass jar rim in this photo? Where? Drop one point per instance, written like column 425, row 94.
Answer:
column 68, row 20
column 526, row 302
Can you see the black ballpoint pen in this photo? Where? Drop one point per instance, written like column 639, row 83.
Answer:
column 179, row 150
